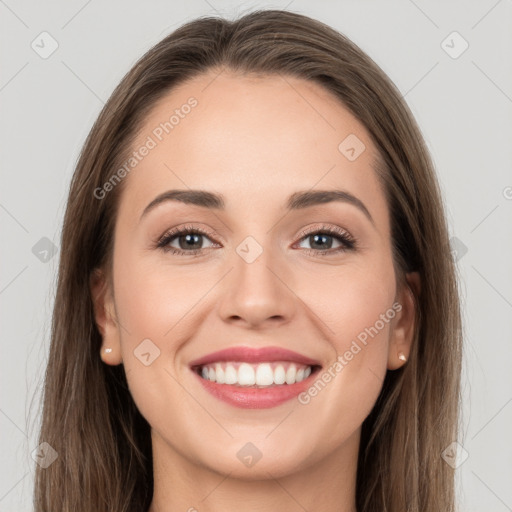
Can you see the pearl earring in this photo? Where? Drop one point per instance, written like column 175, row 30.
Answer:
column 108, row 350
column 402, row 357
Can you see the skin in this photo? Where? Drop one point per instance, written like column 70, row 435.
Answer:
column 256, row 141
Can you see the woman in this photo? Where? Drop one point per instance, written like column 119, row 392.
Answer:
column 203, row 357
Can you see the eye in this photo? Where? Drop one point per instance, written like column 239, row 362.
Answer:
column 321, row 240
column 189, row 240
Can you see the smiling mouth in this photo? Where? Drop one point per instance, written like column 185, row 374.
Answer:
column 255, row 375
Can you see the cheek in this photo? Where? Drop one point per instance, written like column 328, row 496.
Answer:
column 151, row 299
column 154, row 306
column 355, row 307
column 348, row 300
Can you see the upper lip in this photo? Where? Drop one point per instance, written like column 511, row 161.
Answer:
column 254, row 355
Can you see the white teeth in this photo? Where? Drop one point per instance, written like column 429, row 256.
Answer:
column 279, row 375
column 246, row 375
column 290, row 374
column 220, row 378
column 230, row 374
column 264, row 375
column 255, row 375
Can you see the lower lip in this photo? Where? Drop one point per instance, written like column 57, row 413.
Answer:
column 256, row 398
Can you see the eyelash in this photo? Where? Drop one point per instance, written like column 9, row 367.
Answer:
column 349, row 242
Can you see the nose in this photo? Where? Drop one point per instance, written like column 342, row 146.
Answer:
column 258, row 293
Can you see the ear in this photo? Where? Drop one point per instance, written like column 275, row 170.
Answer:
column 402, row 334
column 104, row 310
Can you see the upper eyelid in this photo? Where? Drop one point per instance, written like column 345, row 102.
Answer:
column 335, row 230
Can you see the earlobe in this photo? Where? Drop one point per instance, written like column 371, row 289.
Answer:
column 103, row 305
column 110, row 356
column 402, row 335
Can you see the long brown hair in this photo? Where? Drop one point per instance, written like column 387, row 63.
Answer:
column 103, row 443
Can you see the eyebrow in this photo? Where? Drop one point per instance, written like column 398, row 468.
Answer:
column 297, row 201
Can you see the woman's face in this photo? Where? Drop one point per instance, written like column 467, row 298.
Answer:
column 266, row 268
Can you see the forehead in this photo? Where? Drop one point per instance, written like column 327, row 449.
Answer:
column 253, row 138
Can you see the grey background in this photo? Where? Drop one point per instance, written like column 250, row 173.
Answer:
column 463, row 106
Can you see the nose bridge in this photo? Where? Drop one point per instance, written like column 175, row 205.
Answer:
column 252, row 265
column 256, row 288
